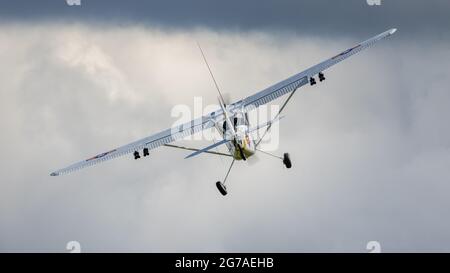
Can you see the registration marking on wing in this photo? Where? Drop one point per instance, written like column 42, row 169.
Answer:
column 100, row 155
column 345, row 52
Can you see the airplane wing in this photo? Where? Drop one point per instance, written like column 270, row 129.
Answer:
column 151, row 142
column 263, row 97
column 293, row 83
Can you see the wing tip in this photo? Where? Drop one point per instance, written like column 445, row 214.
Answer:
column 54, row 174
column 392, row 31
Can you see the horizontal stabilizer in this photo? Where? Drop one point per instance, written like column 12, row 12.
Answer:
column 208, row 148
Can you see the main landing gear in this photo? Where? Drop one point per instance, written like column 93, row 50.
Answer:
column 287, row 160
column 221, row 186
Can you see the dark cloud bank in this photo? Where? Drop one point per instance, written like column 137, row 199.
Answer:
column 310, row 16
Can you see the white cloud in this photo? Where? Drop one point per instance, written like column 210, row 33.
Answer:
column 370, row 145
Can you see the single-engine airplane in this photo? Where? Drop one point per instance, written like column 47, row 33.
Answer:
column 231, row 120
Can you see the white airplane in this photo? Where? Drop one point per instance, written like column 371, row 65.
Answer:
column 231, row 120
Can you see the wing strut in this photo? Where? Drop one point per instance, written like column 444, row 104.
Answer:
column 279, row 112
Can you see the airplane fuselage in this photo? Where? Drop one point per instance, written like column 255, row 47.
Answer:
column 243, row 138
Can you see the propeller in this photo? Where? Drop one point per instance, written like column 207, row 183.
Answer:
column 241, row 152
column 230, row 126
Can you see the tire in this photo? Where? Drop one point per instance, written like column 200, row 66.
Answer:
column 221, row 187
column 287, row 161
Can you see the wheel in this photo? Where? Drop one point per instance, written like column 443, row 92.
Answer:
column 287, row 161
column 221, row 187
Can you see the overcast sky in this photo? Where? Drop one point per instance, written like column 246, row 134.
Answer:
column 324, row 17
column 370, row 146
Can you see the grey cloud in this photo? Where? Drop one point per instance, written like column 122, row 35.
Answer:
column 370, row 145
column 324, row 17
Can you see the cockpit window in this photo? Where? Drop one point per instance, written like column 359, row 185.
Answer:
column 239, row 119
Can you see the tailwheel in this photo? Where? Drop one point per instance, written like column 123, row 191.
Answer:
column 221, row 187
column 287, row 160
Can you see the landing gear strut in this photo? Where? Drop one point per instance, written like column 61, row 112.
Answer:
column 286, row 158
column 221, row 186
